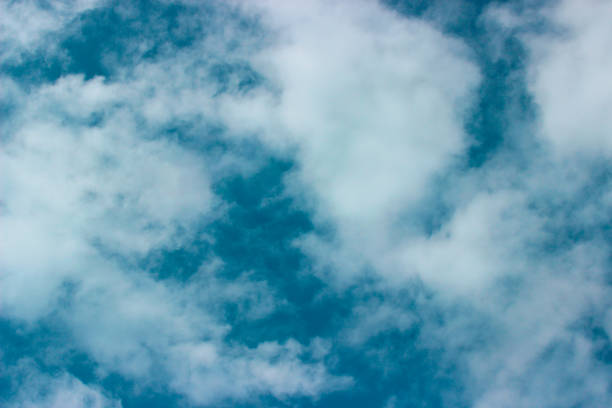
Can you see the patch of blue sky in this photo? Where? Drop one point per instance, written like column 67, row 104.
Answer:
column 99, row 41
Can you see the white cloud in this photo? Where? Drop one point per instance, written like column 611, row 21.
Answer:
column 37, row 390
column 569, row 76
column 269, row 368
column 378, row 316
column 489, row 238
column 69, row 186
column 372, row 104
column 26, row 26
column 89, row 187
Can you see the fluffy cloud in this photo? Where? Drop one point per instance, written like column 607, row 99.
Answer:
column 91, row 187
column 372, row 104
column 25, row 26
column 509, row 282
column 271, row 368
column 36, row 389
column 568, row 74
column 71, row 186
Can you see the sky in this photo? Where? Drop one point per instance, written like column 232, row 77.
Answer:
column 267, row 203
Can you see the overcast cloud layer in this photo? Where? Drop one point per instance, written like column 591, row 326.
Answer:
column 305, row 204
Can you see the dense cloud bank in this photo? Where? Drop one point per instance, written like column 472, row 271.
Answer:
column 345, row 203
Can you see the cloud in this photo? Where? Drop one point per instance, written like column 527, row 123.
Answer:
column 373, row 106
column 26, row 26
column 269, row 368
column 92, row 187
column 37, row 389
column 371, row 103
column 568, row 76
column 71, row 186
column 501, row 269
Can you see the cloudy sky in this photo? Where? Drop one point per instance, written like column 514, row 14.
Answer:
column 268, row 203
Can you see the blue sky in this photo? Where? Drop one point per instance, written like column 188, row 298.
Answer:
column 305, row 204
